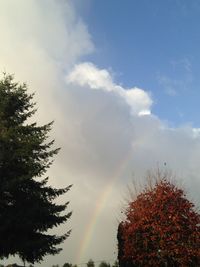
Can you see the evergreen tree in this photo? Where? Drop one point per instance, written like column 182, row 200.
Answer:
column 104, row 264
column 27, row 204
column 67, row 264
column 90, row 263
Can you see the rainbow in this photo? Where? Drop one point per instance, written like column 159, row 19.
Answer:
column 102, row 199
column 99, row 206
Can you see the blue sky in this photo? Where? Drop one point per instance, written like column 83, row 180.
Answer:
column 152, row 45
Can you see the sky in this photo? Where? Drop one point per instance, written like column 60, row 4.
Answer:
column 153, row 45
column 121, row 81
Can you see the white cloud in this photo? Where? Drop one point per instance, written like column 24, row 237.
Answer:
column 196, row 132
column 88, row 75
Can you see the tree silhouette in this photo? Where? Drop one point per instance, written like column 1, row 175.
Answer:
column 67, row 264
column 104, row 264
column 27, row 204
column 90, row 263
column 161, row 228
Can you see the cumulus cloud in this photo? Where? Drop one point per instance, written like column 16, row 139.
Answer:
column 88, row 75
column 38, row 46
column 105, row 141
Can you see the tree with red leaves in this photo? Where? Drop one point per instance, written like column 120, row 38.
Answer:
column 162, row 228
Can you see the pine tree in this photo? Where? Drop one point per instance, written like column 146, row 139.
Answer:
column 104, row 264
column 27, row 204
column 90, row 263
column 67, row 264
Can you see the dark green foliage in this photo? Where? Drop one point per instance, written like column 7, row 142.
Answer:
column 27, row 207
column 104, row 264
column 67, row 264
column 90, row 263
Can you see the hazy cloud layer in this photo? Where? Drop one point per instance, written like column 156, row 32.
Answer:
column 104, row 139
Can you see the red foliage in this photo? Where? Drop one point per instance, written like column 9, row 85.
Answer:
column 161, row 228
